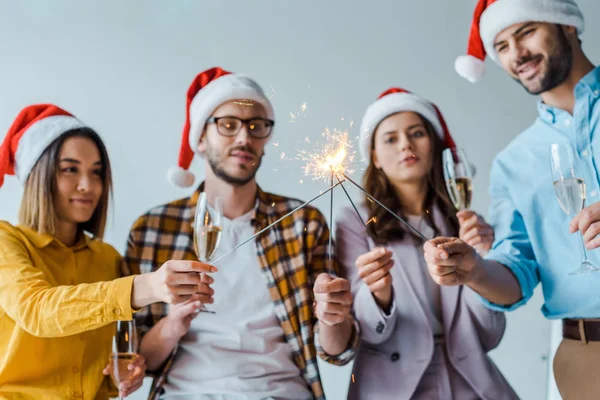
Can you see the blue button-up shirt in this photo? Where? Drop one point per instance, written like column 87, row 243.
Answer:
column 532, row 231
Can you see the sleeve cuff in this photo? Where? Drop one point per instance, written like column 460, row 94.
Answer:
column 519, row 274
column 347, row 355
column 118, row 299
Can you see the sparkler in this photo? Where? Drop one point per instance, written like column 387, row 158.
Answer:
column 330, row 162
column 276, row 222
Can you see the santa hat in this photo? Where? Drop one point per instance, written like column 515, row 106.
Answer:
column 397, row 100
column 34, row 129
column 208, row 91
column 493, row 16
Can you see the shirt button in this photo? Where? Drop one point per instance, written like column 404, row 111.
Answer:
column 380, row 327
column 117, row 311
column 568, row 122
column 395, row 356
column 585, row 153
column 596, row 93
column 75, row 370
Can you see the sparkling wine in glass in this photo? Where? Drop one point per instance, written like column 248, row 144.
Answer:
column 124, row 351
column 207, row 231
column 458, row 176
column 570, row 192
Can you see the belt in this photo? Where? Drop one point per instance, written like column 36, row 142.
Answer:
column 585, row 330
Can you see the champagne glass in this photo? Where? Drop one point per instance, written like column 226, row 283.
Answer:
column 570, row 192
column 458, row 176
column 124, row 351
column 207, row 231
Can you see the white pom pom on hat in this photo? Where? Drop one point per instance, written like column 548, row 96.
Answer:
column 493, row 16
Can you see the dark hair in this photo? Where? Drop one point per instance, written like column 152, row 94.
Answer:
column 37, row 205
column 376, row 183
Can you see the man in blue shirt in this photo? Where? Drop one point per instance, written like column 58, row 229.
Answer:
column 537, row 43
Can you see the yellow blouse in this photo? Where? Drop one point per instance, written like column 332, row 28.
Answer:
column 57, row 308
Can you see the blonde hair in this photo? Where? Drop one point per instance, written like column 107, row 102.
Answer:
column 37, row 205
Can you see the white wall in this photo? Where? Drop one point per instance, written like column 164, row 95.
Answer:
column 124, row 68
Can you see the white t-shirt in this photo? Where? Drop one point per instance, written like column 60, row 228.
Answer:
column 240, row 351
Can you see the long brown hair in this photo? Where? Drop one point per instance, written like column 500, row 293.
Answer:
column 384, row 227
column 37, row 205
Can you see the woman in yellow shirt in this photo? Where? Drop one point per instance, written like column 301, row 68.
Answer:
column 61, row 288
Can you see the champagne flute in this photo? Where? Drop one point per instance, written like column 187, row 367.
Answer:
column 124, row 351
column 458, row 177
column 570, row 192
column 207, row 231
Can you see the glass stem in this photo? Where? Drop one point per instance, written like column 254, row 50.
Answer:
column 583, row 252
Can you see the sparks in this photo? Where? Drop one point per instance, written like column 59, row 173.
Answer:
column 275, row 144
column 303, row 107
column 282, row 156
column 374, row 219
column 333, row 158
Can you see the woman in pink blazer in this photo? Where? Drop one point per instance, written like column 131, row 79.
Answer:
column 419, row 340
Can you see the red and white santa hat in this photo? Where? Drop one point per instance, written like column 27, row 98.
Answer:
column 208, row 91
column 34, row 129
column 397, row 100
column 493, row 16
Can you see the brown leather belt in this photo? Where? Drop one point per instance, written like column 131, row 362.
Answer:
column 585, row 330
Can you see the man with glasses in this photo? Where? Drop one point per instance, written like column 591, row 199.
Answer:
column 261, row 339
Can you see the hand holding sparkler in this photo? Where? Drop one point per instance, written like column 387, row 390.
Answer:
column 451, row 261
column 333, row 299
column 374, row 269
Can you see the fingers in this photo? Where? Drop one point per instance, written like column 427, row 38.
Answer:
column 189, row 266
column 464, row 215
column 333, row 308
column 331, row 319
column 440, row 270
column 334, row 285
column 138, row 368
column 381, row 284
column 451, row 279
column 373, row 256
column 377, row 273
column 477, row 230
column 574, row 225
column 468, row 224
column 344, row 298
column 443, row 259
column 182, row 290
column 591, row 232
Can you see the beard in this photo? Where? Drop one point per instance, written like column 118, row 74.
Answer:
column 557, row 66
column 216, row 161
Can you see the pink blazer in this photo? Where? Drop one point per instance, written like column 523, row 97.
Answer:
column 396, row 349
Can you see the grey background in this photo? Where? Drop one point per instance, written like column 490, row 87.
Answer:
column 124, row 68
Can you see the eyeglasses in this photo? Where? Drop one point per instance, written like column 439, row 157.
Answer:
column 258, row 128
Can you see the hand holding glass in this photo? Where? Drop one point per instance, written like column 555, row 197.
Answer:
column 570, row 192
column 207, row 231
column 124, row 351
column 458, row 176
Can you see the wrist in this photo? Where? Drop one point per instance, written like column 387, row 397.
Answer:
column 383, row 298
column 477, row 272
column 142, row 292
column 168, row 331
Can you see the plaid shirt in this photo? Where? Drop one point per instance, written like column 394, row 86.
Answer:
column 291, row 254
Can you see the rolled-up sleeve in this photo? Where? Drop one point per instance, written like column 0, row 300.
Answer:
column 512, row 247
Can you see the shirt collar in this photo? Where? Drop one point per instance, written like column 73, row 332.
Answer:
column 261, row 211
column 588, row 85
column 42, row 240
